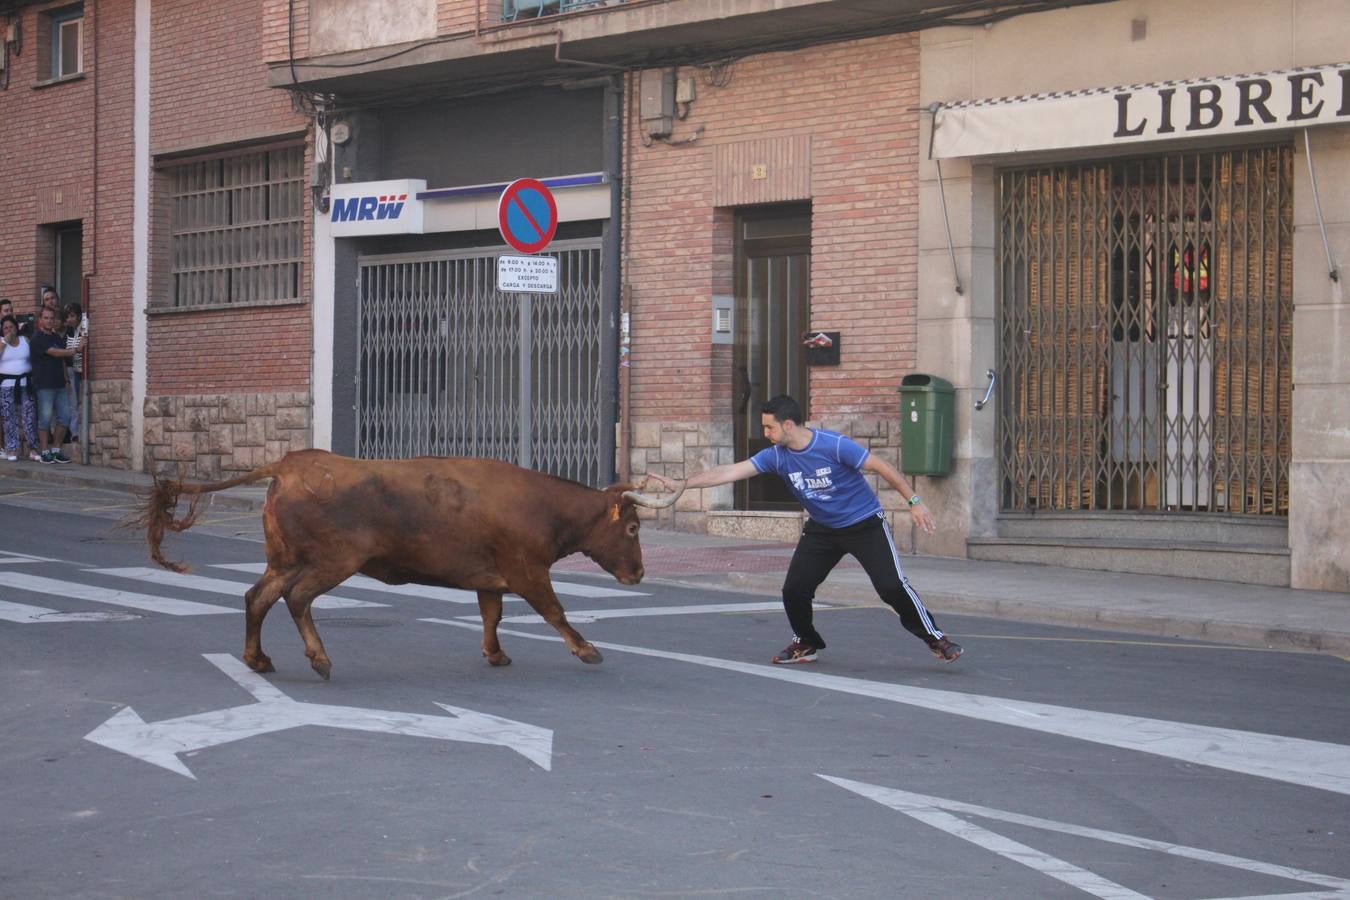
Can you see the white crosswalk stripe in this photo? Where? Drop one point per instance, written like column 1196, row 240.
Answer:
column 218, row 585
column 582, row 616
column 450, row 595
column 76, row 591
column 11, row 610
column 24, row 614
column 9, row 558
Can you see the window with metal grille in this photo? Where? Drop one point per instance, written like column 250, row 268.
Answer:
column 1146, row 328
column 236, row 227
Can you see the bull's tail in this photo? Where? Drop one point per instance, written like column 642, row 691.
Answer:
column 162, row 502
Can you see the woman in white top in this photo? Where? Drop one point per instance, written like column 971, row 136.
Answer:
column 17, row 407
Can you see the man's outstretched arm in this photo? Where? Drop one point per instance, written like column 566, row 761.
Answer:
column 724, row 474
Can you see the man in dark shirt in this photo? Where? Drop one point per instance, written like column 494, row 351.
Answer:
column 48, row 354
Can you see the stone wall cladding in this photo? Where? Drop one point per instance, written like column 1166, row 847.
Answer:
column 110, row 423
column 213, row 436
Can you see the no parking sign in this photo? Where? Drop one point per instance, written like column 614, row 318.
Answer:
column 527, row 215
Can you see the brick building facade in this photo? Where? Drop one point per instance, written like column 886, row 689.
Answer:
column 729, row 182
column 210, row 381
column 840, row 124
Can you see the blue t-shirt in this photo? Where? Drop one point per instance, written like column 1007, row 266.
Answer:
column 825, row 477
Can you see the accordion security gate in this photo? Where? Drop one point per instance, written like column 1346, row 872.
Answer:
column 1145, row 334
column 450, row 366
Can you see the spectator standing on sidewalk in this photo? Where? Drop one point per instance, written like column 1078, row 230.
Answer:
column 824, row 470
column 17, row 406
column 47, row 299
column 75, row 326
column 49, row 355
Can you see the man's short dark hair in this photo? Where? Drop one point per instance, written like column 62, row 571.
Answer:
column 783, row 408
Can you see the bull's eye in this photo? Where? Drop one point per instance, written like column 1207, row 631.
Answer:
column 632, row 529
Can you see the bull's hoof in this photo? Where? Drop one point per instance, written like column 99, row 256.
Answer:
column 323, row 667
column 497, row 659
column 261, row 664
column 590, row 655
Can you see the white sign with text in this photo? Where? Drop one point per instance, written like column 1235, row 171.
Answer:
column 528, row 274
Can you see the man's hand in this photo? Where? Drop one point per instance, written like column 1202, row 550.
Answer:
column 665, row 482
column 922, row 516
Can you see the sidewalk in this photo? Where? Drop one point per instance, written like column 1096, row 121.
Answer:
column 1218, row 611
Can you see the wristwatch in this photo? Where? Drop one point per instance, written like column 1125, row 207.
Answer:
column 915, row 501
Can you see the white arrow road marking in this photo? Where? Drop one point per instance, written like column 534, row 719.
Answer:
column 40, row 585
column 218, row 585
column 34, row 615
column 161, row 742
column 937, row 812
column 451, row 595
column 1315, row 764
column 583, row 616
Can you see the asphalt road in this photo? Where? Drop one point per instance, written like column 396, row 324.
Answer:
column 141, row 760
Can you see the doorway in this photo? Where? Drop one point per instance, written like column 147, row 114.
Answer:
column 773, row 309
column 68, row 264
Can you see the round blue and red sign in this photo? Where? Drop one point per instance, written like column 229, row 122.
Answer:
column 527, row 215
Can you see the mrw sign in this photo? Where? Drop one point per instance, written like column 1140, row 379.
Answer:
column 366, row 208
column 1222, row 105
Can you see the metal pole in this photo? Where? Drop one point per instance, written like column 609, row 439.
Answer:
column 526, row 392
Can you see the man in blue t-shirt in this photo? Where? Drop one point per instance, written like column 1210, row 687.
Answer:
column 824, row 470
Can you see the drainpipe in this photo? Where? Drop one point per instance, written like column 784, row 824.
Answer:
column 610, row 255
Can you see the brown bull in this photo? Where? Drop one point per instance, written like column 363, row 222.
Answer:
column 478, row 524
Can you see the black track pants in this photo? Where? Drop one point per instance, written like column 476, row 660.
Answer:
column 870, row 542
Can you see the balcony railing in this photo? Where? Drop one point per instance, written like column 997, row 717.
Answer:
column 513, row 10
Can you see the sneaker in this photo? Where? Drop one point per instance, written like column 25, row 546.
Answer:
column 795, row 652
column 12, row 457
column 35, row 456
column 46, row 458
column 945, row 650
column 59, row 457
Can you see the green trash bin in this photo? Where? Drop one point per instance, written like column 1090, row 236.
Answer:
column 927, row 422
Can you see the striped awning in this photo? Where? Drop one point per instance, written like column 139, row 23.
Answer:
column 1164, row 110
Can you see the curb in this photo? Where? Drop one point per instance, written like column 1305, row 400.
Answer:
column 135, row 484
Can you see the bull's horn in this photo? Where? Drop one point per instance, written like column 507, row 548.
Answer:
column 654, row 502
